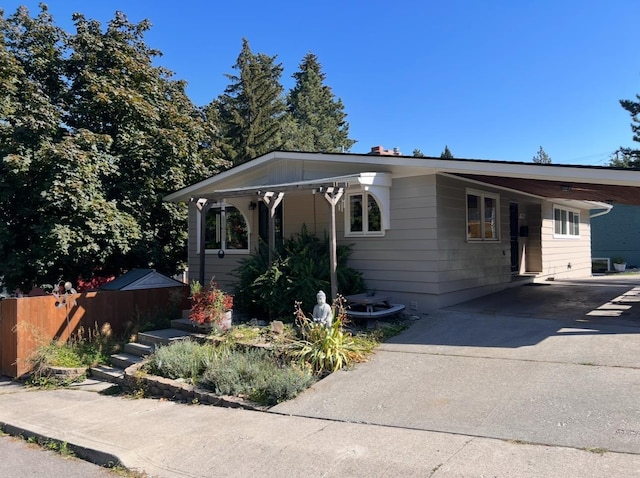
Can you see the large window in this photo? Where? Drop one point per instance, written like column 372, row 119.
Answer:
column 566, row 223
column 363, row 215
column 483, row 212
column 226, row 229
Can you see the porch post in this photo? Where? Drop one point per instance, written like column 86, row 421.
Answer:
column 272, row 200
column 203, row 205
column 333, row 195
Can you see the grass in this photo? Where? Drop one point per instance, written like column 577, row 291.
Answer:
column 85, row 348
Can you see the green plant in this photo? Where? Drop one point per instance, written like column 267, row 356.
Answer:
column 300, row 268
column 85, row 348
column 618, row 260
column 183, row 359
column 327, row 349
column 209, row 303
column 257, row 374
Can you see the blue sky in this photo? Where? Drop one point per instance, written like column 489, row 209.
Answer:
column 492, row 79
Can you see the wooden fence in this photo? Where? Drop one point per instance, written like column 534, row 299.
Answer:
column 27, row 322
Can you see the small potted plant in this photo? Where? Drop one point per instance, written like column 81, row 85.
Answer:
column 619, row 264
column 210, row 306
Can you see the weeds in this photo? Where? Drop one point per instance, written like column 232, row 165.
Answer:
column 85, row 348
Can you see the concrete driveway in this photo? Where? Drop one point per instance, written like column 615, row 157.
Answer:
column 555, row 364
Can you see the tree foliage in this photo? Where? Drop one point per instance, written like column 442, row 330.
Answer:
column 319, row 120
column 629, row 157
column 252, row 108
column 541, row 157
column 92, row 137
column 446, row 153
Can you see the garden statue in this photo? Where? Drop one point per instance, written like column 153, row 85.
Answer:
column 322, row 312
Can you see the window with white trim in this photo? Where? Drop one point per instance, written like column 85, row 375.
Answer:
column 483, row 216
column 362, row 215
column 566, row 222
column 226, row 229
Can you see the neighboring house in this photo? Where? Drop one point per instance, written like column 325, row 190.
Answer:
column 617, row 234
column 429, row 232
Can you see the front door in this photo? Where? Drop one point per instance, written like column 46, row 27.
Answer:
column 513, row 235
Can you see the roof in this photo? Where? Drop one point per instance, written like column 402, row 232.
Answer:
column 569, row 182
column 137, row 279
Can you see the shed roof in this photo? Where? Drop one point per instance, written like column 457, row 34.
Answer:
column 137, row 279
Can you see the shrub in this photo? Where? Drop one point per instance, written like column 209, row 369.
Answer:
column 299, row 270
column 256, row 374
column 183, row 359
column 209, row 303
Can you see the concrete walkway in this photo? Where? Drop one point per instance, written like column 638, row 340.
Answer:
column 461, row 393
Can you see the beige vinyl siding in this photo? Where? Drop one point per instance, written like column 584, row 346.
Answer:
column 403, row 263
column 467, row 265
column 564, row 257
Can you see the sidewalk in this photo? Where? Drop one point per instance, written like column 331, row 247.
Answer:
column 167, row 439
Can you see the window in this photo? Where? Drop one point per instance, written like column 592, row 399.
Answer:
column 226, row 229
column 482, row 216
column 363, row 215
column 566, row 223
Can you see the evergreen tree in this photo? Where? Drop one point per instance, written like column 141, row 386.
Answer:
column 629, row 157
column 542, row 157
column 625, row 158
column 418, row 154
column 446, row 153
column 319, row 118
column 252, row 108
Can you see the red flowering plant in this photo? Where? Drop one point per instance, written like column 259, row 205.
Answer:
column 209, row 304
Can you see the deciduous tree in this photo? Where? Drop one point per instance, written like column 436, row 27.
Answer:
column 93, row 136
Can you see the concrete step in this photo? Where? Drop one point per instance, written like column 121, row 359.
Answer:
column 162, row 337
column 189, row 326
column 107, row 373
column 124, row 360
column 141, row 350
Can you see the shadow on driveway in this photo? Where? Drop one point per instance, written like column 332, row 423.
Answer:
column 527, row 315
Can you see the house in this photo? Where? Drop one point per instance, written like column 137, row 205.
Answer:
column 617, row 234
column 428, row 232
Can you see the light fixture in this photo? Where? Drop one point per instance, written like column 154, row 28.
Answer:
column 252, row 205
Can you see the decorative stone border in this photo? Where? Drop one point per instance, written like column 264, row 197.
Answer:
column 65, row 373
column 160, row 387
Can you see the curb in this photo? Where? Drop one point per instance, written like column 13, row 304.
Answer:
column 91, row 455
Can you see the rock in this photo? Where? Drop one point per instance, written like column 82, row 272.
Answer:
column 277, row 327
